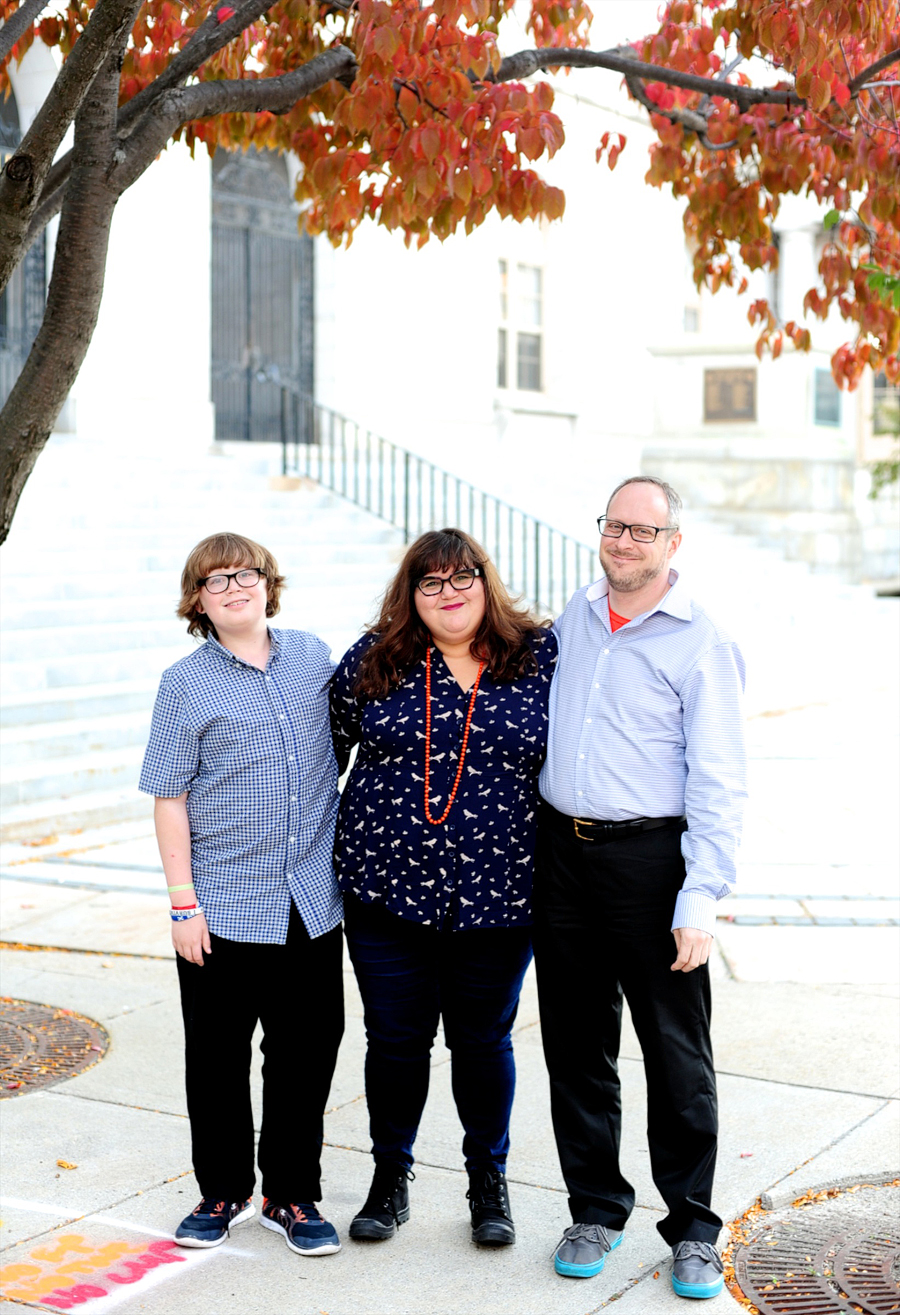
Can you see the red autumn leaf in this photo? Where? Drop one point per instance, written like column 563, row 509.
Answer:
column 226, row 12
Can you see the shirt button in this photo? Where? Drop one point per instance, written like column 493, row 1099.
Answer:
column 268, row 677
column 281, row 716
column 606, row 650
column 290, row 757
column 590, row 719
column 581, row 792
column 292, row 839
column 293, row 798
column 596, row 684
column 581, row 755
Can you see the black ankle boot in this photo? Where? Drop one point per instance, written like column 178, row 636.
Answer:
column 387, row 1205
column 488, row 1195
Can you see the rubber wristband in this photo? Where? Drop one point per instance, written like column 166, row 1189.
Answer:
column 187, row 886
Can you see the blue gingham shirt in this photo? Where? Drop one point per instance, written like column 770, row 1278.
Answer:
column 253, row 749
column 648, row 722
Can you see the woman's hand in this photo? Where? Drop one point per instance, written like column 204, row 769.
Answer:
column 191, row 939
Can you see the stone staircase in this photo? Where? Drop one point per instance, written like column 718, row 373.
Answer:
column 90, row 578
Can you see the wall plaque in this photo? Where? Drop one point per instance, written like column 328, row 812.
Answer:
column 729, row 395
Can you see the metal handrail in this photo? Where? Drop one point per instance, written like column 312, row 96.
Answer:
column 535, row 559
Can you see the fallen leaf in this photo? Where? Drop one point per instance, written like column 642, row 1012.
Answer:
column 656, row 1275
column 746, row 1155
column 64, row 1164
column 13, row 1086
column 96, row 1047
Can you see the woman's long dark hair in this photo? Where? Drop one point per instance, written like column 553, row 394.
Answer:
column 402, row 637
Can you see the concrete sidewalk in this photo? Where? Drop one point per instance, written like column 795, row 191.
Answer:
column 808, row 1093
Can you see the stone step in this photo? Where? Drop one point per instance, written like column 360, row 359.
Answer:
column 90, row 668
column 33, row 782
column 34, row 708
column 74, row 737
column 49, row 817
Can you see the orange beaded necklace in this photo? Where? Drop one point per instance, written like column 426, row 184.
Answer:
column 436, row 821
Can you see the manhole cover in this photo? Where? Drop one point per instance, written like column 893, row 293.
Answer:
column 40, row 1045
column 814, row 1259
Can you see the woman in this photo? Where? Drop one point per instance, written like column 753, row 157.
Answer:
column 447, row 696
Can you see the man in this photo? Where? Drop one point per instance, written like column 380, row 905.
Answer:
column 644, row 786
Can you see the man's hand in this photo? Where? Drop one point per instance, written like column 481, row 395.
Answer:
column 693, row 948
column 191, row 939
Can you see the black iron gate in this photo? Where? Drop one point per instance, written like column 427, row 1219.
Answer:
column 262, row 299
column 23, row 299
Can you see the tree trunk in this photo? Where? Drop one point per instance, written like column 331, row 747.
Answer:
column 73, row 300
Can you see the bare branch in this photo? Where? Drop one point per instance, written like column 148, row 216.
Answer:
column 235, row 96
column 23, row 176
column 892, row 57
column 526, row 62
column 18, row 24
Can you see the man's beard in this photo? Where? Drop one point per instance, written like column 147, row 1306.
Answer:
column 629, row 577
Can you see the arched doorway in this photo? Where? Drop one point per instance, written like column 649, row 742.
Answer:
column 22, row 300
column 262, row 299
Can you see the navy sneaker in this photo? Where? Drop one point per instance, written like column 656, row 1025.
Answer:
column 211, row 1222
column 697, row 1270
column 583, row 1250
column 304, row 1229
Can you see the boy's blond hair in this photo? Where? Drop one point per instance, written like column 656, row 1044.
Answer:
column 215, row 552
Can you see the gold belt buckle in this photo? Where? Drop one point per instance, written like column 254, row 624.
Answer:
column 578, row 834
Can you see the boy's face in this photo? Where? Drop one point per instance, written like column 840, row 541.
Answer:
column 240, row 610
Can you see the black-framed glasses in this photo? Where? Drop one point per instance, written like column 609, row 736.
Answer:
column 247, row 578
column 431, row 585
column 639, row 533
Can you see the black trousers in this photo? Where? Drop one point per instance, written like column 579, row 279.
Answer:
column 603, row 914
column 296, row 991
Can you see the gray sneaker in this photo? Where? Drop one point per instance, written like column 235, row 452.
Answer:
column 697, row 1270
column 582, row 1251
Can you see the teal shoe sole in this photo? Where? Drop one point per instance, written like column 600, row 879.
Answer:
column 583, row 1271
column 697, row 1289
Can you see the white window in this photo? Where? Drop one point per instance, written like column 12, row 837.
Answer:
column 520, row 345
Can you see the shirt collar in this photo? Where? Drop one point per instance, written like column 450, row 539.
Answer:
column 676, row 602
column 215, row 646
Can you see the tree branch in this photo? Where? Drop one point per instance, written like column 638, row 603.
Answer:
column 23, row 176
column 527, row 62
column 235, row 96
column 18, row 24
column 892, row 57
column 73, row 299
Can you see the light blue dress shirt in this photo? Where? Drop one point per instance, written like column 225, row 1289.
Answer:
column 648, row 722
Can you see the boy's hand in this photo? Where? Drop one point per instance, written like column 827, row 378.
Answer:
column 191, row 939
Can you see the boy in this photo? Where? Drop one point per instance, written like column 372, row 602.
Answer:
column 241, row 764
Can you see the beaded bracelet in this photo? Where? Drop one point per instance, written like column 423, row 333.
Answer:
column 184, row 915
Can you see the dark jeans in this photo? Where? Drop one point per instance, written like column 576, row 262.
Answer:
column 296, row 991
column 603, row 914
column 409, row 976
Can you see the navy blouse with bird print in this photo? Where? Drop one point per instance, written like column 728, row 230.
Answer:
column 476, row 868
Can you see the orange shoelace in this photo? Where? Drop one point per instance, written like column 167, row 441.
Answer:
column 436, row 821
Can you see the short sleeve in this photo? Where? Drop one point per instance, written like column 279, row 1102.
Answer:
column 172, row 756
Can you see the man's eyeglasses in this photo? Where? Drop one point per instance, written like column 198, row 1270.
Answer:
column 430, row 585
column 247, row 578
column 640, row 533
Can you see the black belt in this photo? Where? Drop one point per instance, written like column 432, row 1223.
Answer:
column 583, row 828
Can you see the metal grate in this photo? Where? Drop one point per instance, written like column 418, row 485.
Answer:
column 40, row 1045
column 822, row 1259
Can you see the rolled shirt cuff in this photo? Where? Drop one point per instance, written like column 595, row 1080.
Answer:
column 695, row 910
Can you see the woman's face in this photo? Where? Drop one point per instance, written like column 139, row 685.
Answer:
column 454, row 615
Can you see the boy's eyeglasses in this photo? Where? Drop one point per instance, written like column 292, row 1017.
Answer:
column 247, row 578
column 431, row 585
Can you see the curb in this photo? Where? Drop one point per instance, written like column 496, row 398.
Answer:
column 784, row 1194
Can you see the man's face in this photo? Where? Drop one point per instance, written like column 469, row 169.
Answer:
column 629, row 566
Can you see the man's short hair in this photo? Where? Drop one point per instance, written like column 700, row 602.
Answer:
column 672, row 498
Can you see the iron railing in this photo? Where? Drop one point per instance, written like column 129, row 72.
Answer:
column 534, row 559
